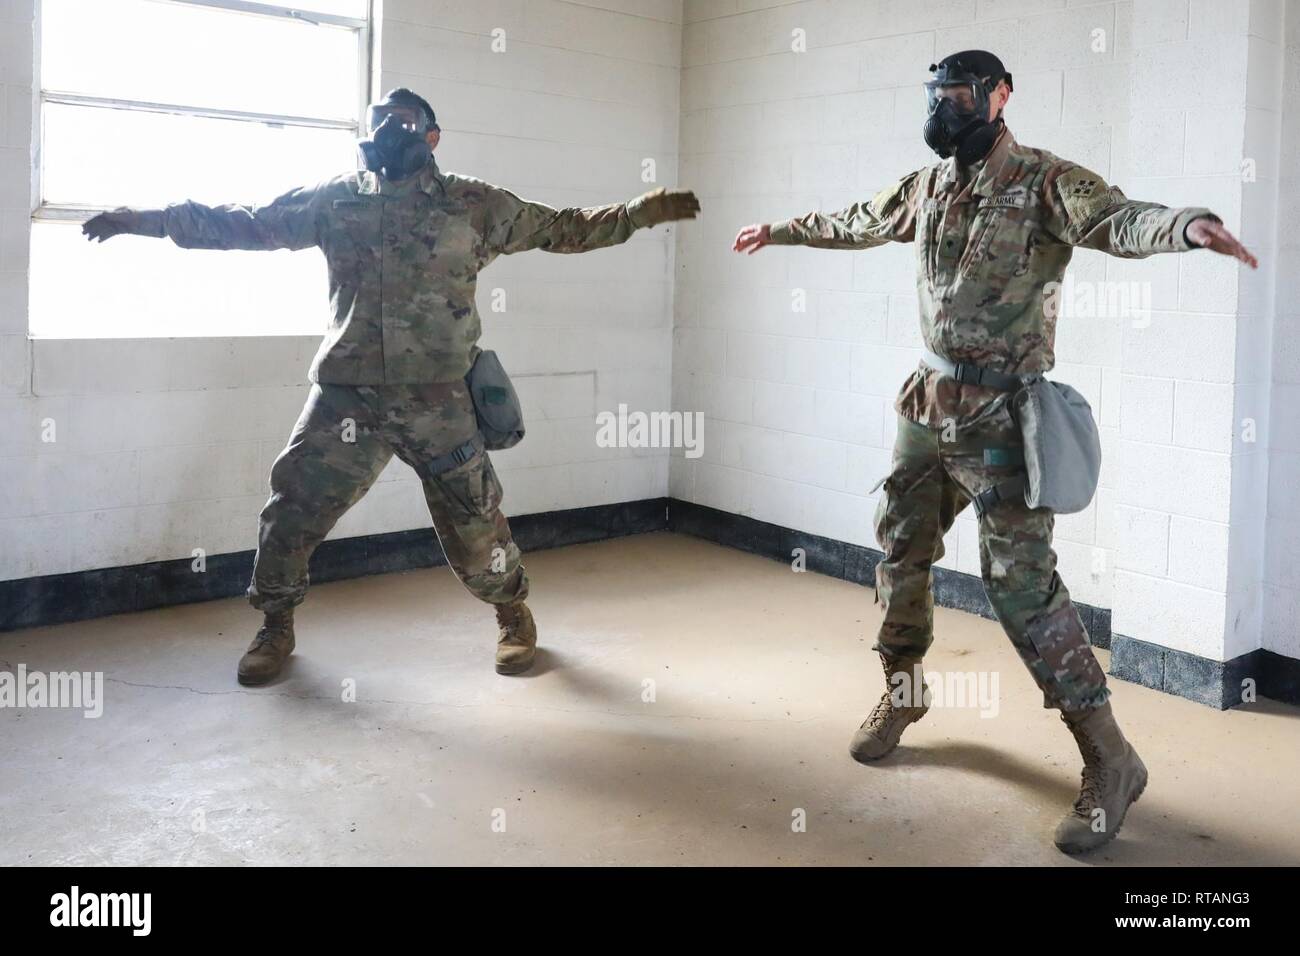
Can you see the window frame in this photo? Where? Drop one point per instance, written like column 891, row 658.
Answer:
column 365, row 31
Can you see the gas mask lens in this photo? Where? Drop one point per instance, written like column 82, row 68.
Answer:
column 407, row 117
column 964, row 98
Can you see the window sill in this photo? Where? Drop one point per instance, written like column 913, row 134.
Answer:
column 87, row 366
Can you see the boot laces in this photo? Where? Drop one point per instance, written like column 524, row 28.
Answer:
column 1093, row 778
column 269, row 631
column 881, row 713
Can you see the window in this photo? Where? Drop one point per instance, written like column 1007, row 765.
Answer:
column 147, row 102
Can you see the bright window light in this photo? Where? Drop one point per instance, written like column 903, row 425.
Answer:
column 134, row 287
column 143, row 50
column 134, row 112
column 150, row 159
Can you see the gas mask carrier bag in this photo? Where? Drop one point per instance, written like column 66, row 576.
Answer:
column 500, row 418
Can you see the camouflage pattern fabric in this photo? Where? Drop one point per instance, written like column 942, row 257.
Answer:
column 403, row 261
column 340, row 445
column 986, row 249
column 930, row 483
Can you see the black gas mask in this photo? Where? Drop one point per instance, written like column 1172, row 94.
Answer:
column 397, row 147
column 958, row 103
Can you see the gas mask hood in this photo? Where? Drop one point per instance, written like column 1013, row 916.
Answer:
column 397, row 147
column 957, row 100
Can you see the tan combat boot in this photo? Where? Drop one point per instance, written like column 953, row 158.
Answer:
column 1113, row 778
column 269, row 650
column 517, row 645
column 901, row 704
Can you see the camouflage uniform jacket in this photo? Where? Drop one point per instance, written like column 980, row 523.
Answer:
column 988, row 252
column 403, row 260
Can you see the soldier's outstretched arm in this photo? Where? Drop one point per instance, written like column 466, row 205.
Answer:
column 1084, row 211
column 289, row 222
column 890, row 216
column 517, row 225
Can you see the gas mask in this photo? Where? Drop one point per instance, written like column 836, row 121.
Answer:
column 397, row 147
column 957, row 100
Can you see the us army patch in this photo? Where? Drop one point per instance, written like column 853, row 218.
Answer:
column 1083, row 193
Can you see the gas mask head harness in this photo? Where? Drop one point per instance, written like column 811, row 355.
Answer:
column 397, row 147
column 957, row 99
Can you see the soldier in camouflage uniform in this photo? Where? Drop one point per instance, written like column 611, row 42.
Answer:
column 404, row 243
column 994, row 224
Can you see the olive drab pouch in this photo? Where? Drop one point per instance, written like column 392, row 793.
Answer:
column 496, row 406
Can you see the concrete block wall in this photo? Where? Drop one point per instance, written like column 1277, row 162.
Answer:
column 1195, row 440
column 579, row 97
column 803, row 399
column 163, row 446
column 1281, row 586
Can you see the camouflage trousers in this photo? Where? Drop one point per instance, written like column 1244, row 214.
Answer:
column 931, row 481
column 344, row 438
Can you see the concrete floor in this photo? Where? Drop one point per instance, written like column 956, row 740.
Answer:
column 760, row 678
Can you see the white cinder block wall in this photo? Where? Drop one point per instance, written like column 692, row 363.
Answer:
column 568, row 114
column 803, row 401
column 1281, row 591
column 1194, row 431
column 163, row 446
column 1162, row 97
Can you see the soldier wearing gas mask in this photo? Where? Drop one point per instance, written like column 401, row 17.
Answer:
column 404, row 243
column 994, row 223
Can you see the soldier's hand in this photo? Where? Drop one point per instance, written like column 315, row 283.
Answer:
column 752, row 238
column 136, row 222
column 663, row 205
column 1211, row 235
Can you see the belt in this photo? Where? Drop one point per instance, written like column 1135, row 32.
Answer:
column 969, row 374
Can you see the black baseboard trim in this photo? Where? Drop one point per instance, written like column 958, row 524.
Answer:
column 1220, row 684
column 80, row 595
column 849, row 562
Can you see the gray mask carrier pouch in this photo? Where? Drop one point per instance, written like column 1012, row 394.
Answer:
column 496, row 405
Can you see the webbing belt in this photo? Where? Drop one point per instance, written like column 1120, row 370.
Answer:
column 969, row 374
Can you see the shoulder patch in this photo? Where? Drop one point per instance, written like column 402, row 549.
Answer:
column 1083, row 193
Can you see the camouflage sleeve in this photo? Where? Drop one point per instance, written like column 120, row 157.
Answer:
column 512, row 225
column 1084, row 211
column 289, row 222
column 890, row 216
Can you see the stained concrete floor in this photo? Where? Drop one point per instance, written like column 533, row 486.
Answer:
column 760, row 676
